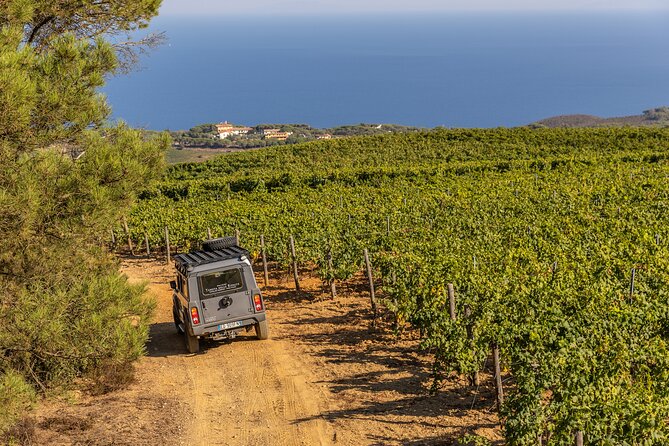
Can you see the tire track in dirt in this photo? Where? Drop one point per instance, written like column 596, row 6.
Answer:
column 243, row 392
column 323, row 378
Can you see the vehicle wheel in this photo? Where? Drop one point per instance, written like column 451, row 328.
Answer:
column 262, row 330
column 177, row 321
column 192, row 343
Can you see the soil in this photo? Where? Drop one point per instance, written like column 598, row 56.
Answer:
column 324, row 377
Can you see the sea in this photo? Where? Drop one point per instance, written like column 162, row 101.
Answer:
column 426, row 70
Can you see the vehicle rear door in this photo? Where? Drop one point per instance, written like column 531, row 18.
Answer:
column 224, row 295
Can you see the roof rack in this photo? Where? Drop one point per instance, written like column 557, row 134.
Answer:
column 184, row 262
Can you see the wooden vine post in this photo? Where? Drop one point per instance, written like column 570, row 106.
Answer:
column 237, row 236
column 146, row 242
column 292, row 253
column 396, row 319
column 113, row 238
column 474, row 379
column 264, row 259
column 208, row 234
column 167, row 244
column 372, row 294
column 579, row 438
column 127, row 233
column 333, row 286
column 498, row 376
column 451, row 301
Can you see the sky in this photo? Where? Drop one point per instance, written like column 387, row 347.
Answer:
column 292, row 7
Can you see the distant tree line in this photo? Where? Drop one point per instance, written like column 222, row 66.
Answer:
column 206, row 135
column 657, row 114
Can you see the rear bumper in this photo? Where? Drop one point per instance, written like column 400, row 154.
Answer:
column 211, row 328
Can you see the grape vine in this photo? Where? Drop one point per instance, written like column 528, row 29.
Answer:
column 539, row 230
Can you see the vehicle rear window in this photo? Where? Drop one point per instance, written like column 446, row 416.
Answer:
column 221, row 282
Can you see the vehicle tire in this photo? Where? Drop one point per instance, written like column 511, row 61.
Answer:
column 219, row 243
column 262, row 330
column 177, row 321
column 192, row 343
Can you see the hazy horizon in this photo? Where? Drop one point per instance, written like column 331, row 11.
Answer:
column 343, row 7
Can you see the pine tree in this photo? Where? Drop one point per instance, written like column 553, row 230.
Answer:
column 65, row 176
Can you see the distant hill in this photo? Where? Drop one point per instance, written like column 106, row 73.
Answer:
column 656, row 117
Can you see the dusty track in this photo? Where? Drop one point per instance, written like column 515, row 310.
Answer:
column 322, row 378
column 242, row 392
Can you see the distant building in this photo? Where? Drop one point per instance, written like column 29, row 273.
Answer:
column 225, row 129
column 324, row 136
column 276, row 134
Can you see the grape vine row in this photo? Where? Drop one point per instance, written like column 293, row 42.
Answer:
column 539, row 230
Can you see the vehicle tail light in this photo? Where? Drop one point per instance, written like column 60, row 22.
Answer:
column 195, row 316
column 257, row 301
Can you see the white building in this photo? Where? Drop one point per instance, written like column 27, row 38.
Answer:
column 225, row 129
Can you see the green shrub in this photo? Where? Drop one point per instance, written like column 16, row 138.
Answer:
column 473, row 440
column 56, row 335
column 16, row 395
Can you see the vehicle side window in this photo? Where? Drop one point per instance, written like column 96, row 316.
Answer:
column 182, row 285
column 184, row 289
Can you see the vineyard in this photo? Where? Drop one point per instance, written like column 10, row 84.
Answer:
column 555, row 243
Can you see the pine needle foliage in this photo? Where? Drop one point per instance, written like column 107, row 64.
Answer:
column 65, row 176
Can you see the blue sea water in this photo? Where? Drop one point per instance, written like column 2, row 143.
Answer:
column 453, row 70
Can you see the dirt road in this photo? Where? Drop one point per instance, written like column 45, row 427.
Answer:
column 242, row 392
column 322, row 378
